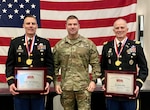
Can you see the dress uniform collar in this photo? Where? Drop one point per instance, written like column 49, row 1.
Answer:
column 122, row 42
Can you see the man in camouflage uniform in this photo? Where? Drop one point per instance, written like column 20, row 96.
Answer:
column 72, row 57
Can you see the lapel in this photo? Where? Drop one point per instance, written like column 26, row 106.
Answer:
column 113, row 47
column 23, row 44
column 36, row 42
column 126, row 46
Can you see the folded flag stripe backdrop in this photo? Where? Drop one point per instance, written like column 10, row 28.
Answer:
column 96, row 20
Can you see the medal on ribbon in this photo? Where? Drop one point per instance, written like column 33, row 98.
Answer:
column 118, row 63
column 29, row 60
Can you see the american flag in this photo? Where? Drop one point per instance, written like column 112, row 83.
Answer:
column 96, row 20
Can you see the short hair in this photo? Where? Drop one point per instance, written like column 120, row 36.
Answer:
column 29, row 15
column 72, row 17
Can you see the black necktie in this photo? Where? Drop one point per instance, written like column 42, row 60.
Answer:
column 119, row 46
column 29, row 43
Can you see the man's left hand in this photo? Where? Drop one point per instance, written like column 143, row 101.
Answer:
column 47, row 89
column 136, row 92
column 91, row 86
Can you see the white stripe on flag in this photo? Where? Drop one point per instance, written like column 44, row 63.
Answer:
column 61, row 33
column 86, row 15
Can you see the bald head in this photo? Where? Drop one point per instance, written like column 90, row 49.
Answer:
column 120, row 29
column 120, row 21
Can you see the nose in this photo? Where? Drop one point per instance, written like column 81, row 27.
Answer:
column 72, row 25
column 119, row 29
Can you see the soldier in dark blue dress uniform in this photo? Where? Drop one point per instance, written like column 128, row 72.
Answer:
column 38, row 54
column 130, row 57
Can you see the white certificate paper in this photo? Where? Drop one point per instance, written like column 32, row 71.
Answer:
column 30, row 80
column 120, row 83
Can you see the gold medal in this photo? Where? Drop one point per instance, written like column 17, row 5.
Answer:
column 29, row 61
column 117, row 63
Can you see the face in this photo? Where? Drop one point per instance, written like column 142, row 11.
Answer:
column 72, row 26
column 30, row 26
column 120, row 29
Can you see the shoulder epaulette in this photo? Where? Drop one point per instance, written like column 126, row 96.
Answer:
column 105, row 43
column 13, row 38
column 137, row 42
column 47, row 39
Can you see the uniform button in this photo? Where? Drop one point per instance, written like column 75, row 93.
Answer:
column 120, row 56
column 31, row 65
column 120, row 68
column 42, row 59
column 41, row 53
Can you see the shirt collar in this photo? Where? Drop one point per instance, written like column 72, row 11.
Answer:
column 117, row 41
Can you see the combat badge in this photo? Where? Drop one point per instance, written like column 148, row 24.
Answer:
column 19, row 50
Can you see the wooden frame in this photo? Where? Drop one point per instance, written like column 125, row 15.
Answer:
column 30, row 79
column 120, row 83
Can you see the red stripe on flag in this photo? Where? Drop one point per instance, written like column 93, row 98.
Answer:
column 86, row 23
column 2, row 78
column 4, row 41
column 98, row 40
column 3, row 59
column 68, row 6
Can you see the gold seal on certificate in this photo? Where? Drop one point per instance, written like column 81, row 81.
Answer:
column 29, row 61
column 117, row 63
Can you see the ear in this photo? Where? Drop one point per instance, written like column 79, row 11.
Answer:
column 66, row 25
column 113, row 30
column 127, row 29
column 23, row 25
column 37, row 26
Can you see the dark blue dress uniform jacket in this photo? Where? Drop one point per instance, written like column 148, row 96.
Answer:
column 41, row 55
column 132, row 56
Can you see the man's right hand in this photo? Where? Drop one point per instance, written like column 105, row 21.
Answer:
column 12, row 89
column 58, row 89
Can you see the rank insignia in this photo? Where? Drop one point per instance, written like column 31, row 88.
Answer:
column 105, row 43
column 137, row 42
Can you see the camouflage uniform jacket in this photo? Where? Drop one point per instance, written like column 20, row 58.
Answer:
column 73, row 57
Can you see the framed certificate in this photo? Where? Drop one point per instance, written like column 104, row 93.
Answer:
column 30, row 79
column 120, row 83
